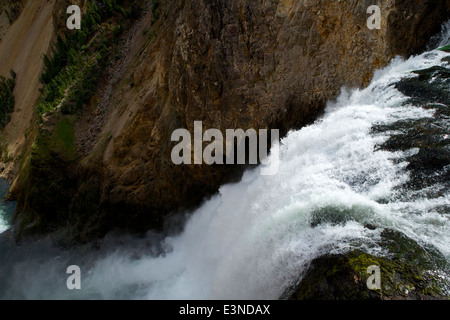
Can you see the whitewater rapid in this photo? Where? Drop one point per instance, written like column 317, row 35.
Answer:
column 255, row 238
column 6, row 208
column 4, row 225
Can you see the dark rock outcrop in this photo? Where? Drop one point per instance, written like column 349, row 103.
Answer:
column 408, row 273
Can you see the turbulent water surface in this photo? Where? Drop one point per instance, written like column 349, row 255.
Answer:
column 6, row 208
column 362, row 164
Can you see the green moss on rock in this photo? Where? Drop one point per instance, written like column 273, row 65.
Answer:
column 408, row 272
column 445, row 48
column 48, row 177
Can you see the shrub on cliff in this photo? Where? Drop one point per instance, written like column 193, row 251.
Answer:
column 73, row 68
column 6, row 98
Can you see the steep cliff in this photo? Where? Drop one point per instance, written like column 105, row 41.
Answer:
column 21, row 50
column 231, row 64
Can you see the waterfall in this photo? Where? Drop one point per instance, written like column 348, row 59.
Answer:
column 337, row 189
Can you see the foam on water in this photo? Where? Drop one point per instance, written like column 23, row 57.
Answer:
column 254, row 238
column 3, row 223
column 5, row 208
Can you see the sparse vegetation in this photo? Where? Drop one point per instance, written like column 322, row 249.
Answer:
column 4, row 155
column 69, row 81
column 6, row 98
column 14, row 10
column 74, row 67
column 445, row 48
column 155, row 10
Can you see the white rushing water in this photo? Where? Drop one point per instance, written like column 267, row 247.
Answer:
column 3, row 223
column 254, row 238
column 6, row 209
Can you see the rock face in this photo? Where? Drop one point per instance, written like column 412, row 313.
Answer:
column 229, row 63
